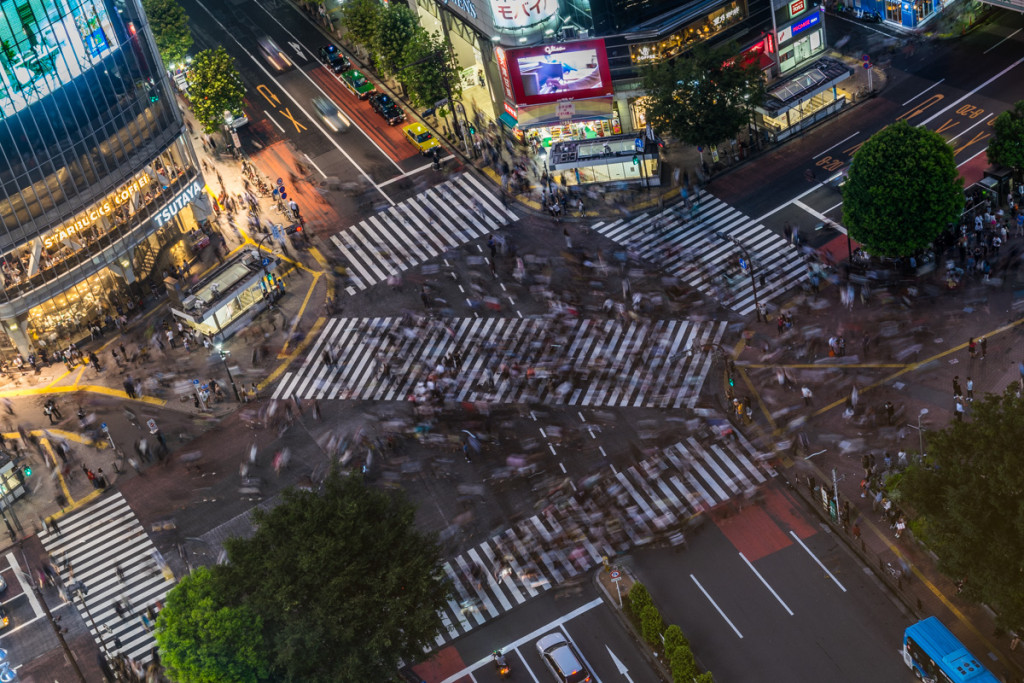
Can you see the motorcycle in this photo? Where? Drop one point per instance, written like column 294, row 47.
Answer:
column 501, row 665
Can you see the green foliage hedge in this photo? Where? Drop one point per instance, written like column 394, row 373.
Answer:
column 669, row 642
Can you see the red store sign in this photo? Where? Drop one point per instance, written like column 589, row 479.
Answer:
column 506, row 81
column 796, row 7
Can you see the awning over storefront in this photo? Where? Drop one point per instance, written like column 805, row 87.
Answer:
column 805, row 84
column 547, row 114
column 507, row 120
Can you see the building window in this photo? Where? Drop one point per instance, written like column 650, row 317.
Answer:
column 893, row 11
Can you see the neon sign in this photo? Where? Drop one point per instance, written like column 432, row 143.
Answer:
column 104, row 208
column 806, row 23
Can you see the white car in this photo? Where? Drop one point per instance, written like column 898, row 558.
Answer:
column 329, row 113
column 234, row 122
column 563, row 660
column 273, row 54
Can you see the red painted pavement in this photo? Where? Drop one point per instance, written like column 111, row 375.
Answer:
column 753, row 532
column 278, row 161
column 974, row 170
column 443, row 664
column 786, row 509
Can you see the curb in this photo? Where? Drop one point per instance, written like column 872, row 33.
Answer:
column 613, row 601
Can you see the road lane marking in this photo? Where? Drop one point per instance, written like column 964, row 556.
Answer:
column 565, row 632
column 519, row 642
column 715, row 605
column 1002, row 41
column 526, row 666
column 835, row 145
column 273, row 121
column 37, row 609
column 967, row 129
column 972, row 92
column 936, row 83
column 259, row 64
column 770, row 589
column 815, row 558
column 820, row 216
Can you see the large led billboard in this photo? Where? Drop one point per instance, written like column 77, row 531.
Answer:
column 548, row 73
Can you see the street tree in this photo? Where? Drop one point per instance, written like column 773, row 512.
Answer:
column 967, row 494
column 396, row 28
column 215, row 86
column 1007, row 145
column 169, row 23
column 704, row 97
column 360, row 19
column 902, row 191
column 202, row 640
column 344, row 583
column 430, row 69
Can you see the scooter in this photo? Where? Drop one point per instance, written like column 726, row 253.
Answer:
column 501, row 665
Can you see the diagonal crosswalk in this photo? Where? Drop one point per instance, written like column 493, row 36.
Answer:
column 91, row 544
column 509, row 360
column 418, row 229
column 649, row 500
column 686, row 244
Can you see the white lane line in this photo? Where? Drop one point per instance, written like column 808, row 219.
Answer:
column 533, row 635
column 715, row 605
column 37, row 609
column 770, row 589
column 835, row 145
column 951, row 105
column 273, row 121
column 522, row 660
column 414, row 171
column 313, row 120
column 820, row 216
column 936, row 83
column 990, row 115
column 313, row 164
column 1002, row 41
column 815, row 558
column 971, row 158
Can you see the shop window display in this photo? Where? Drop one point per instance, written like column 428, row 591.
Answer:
column 70, row 314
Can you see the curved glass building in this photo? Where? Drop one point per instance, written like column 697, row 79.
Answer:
column 97, row 174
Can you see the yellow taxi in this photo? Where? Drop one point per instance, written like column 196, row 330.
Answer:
column 417, row 134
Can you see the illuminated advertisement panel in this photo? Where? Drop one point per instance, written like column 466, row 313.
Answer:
column 548, row 73
column 48, row 43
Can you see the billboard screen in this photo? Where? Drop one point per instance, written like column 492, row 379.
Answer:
column 549, row 73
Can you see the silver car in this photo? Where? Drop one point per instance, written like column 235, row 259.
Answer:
column 563, row 660
column 329, row 113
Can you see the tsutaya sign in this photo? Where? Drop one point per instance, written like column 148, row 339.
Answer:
column 178, row 203
column 104, row 208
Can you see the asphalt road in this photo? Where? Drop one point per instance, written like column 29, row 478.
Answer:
column 768, row 595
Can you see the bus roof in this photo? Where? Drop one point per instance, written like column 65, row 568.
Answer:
column 958, row 663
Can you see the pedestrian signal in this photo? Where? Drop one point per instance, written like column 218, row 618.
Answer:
column 636, row 160
column 732, row 381
column 27, row 471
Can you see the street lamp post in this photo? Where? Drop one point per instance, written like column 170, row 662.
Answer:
column 920, row 432
column 750, row 267
column 224, row 359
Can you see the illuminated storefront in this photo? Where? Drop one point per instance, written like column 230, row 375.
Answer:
column 611, row 160
column 697, row 31
column 906, row 13
column 800, row 33
column 99, row 178
column 794, row 103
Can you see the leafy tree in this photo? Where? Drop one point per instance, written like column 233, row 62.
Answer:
column 170, row 29
column 674, row 638
column 215, row 86
column 360, row 19
column 396, row 28
column 682, row 665
column 201, row 640
column 1007, row 147
column 902, row 191
column 429, row 65
column 343, row 582
column 638, row 598
column 969, row 493
column 702, row 98
column 651, row 624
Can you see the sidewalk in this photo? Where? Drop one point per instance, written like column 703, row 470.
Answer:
column 836, row 439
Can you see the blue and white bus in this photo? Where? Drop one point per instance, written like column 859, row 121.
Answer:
column 935, row 655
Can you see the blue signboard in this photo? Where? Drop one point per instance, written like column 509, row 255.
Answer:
column 806, row 23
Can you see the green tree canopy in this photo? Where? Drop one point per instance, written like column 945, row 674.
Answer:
column 1007, row 147
column 970, row 494
column 343, row 582
column 704, row 97
column 215, row 86
column 201, row 640
column 360, row 18
column 429, row 65
column 396, row 28
column 170, row 27
column 902, row 191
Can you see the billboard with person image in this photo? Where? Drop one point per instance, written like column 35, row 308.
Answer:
column 548, row 73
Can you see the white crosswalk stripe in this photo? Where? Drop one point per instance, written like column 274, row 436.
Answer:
column 420, row 228
column 597, row 363
column 559, row 543
column 686, row 244
column 93, row 542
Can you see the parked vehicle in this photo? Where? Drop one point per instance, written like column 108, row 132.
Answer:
column 386, row 107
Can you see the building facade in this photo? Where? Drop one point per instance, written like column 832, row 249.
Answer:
column 98, row 176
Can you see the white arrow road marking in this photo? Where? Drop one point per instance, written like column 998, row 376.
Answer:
column 299, row 51
column 619, row 665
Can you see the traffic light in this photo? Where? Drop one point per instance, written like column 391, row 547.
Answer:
column 472, row 130
column 636, row 160
column 27, row 471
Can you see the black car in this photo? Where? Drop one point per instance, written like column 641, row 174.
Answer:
column 334, row 59
column 386, row 107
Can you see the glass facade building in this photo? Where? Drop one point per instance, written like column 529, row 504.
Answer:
column 97, row 172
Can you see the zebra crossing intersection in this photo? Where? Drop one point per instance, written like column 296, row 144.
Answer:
column 601, row 362
column 687, row 246
column 418, row 229
column 695, row 477
column 100, row 544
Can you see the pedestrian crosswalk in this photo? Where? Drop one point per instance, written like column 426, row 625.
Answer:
column 510, row 360
column 418, row 229
column 94, row 548
column 631, row 507
column 699, row 246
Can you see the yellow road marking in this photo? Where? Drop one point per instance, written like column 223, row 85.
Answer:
column 298, row 317
column 43, row 441
column 298, row 349
column 91, row 388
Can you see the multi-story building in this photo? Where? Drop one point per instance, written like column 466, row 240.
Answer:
column 98, row 176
